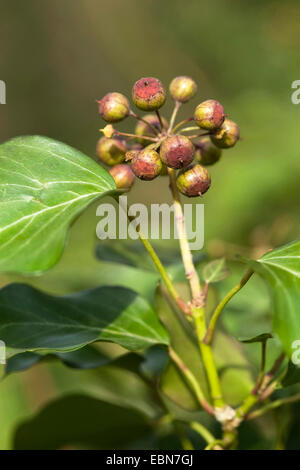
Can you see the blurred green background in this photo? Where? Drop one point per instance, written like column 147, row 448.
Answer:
column 59, row 56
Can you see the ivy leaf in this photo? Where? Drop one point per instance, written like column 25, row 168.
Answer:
column 85, row 358
column 215, row 271
column 78, row 420
column 44, row 185
column 281, row 269
column 257, row 339
column 33, row 320
column 292, row 376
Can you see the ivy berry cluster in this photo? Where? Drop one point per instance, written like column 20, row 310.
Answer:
column 158, row 147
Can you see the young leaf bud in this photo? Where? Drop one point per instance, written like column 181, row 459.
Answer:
column 123, row 176
column 177, row 151
column 146, row 165
column 182, row 89
column 143, row 130
column 227, row 136
column 114, row 107
column 209, row 115
column 206, row 152
column 193, row 181
column 148, row 94
column 111, row 151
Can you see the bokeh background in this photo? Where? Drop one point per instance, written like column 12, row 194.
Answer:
column 58, row 56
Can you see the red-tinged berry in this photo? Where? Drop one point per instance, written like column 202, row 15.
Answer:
column 227, row 136
column 111, row 151
column 123, row 176
column 177, row 151
column 146, row 165
column 183, row 88
column 131, row 153
column 114, row 107
column 143, row 130
column 209, row 115
column 206, row 151
column 148, row 94
column 193, row 181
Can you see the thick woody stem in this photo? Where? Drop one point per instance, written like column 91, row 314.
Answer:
column 187, row 258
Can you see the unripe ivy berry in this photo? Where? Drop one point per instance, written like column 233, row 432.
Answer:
column 148, row 94
column 114, row 107
column 177, row 151
column 143, row 130
column 111, row 151
column 146, row 165
column 209, row 115
column 183, row 88
column 123, row 176
column 227, row 136
column 206, row 152
column 193, row 181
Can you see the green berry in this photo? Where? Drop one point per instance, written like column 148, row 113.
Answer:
column 227, row 136
column 148, row 94
column 193, row 181
column 177, row 151
column 123, row 176
column 209, row 115
column 114, row 107
column 206, row 152
column 111, row 151
column 183, row 88
column 146, row 165
column 145, row 131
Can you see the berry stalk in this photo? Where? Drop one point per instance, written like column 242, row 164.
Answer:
column 187, row 258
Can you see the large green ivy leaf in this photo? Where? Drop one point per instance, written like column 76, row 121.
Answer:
column 84, row 422
column 32, row 320
column 44, row 185
column 281, row 269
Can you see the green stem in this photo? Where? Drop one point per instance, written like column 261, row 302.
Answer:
column 182, row 123
column 208, row 359
column 186, row 254
column 222, row 304
column 138, row 118
column 164, row 275
column 135, row 136
column 203, row 431
column 160, row 268
column 273, row 405
column 191, row 379
column 160, row 119
column 262, row 368
column 174, row 114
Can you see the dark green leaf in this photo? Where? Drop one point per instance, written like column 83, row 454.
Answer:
column 32, row 320
column 257, row 339
column 81, row 421
column 215, row 271
column 44, row 185
column 281, row 269
column 87, row 357
column 292, row 376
